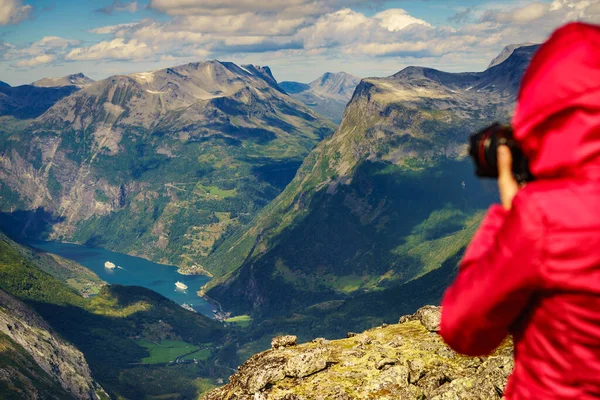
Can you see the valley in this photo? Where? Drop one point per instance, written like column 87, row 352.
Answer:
column 327, row 95
column 386, row 199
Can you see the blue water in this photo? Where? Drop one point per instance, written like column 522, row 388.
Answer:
column 134, row 271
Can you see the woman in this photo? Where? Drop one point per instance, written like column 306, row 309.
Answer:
column 533, row 267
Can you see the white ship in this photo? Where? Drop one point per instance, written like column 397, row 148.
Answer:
column 188, row 307
column 180, row 285
column 109, row 265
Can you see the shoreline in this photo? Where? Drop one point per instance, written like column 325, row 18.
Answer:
column 180, row 270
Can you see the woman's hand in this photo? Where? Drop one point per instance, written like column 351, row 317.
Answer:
column 507, row 184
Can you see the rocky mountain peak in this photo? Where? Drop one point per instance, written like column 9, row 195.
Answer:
column 335, row 84
column 78, row 79
column 506, row 52
column 140, row 98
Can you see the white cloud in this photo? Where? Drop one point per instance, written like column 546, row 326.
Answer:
column 294, row 33
column 119, row 6
column 13, row 11
column 396, row 19
column 112, row 29
column 232, row 7
column 35, row 61
column 521, row 15
column 47, row 49
column 116, row 49
column 334, row 29
column 246, row 23
column 54, row 42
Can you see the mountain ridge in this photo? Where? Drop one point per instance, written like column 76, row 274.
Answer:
column 507, row 51
column 174, row 159
column 78, row 79
column 28, row 101
column 350, row 200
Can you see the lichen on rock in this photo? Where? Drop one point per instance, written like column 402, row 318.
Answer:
column 402, row 361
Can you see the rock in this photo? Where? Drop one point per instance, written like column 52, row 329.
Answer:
column 307, row 363
column 429, row 316
column 364, row 339
column 432, row 381
column 382, row 363
column 351, row 334
column 416, row 368
column 269, row 371
column 283, row 341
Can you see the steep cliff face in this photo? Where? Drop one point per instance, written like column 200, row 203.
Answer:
column 57, row 364
column 407, row 360
column 389, row 197
column 162, row 164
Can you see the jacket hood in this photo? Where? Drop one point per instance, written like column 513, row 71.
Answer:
column 557, row 118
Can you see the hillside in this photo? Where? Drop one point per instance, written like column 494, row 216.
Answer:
column 407, row 360
column 162, row 164
column 128, row 335
column 388, row 198
column 36, row 362
column 79, row 80
column 84, row 281
column 326, row 95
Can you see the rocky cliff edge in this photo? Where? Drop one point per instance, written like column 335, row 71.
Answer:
column 407, row 360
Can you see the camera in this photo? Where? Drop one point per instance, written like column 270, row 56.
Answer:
column 484, row 147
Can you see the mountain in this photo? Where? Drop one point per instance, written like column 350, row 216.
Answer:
column 327, row 95
column 162, row 164
column 129, row 336
column 27, row 101
column 335, row 85
column 388, row 198
column 79, row 80
column 506, row 52
column 398, row 361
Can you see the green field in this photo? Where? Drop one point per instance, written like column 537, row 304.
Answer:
column 169, row 350
column 241, row 320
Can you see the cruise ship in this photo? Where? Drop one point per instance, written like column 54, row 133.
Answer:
column 180, row 285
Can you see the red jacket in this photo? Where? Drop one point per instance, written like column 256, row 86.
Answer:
column 534, row 271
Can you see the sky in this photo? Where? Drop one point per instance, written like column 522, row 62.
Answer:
column 298, row 39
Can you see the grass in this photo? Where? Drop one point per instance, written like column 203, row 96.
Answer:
column 202, row 354
column 204, row 384
column 243, row 321
column 169, row 350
